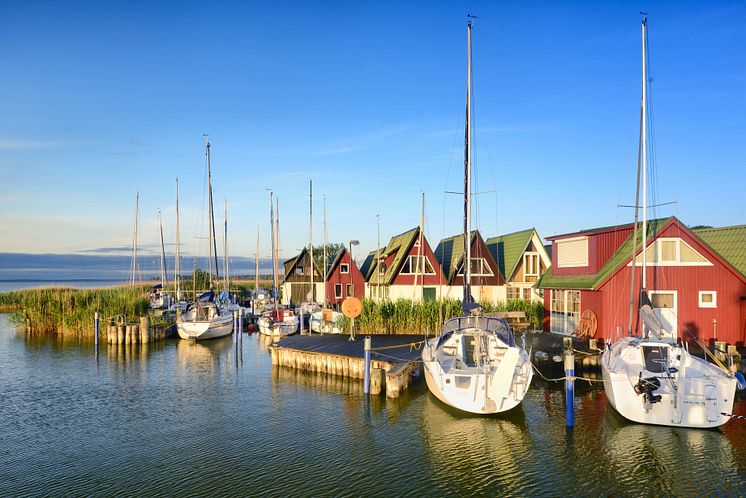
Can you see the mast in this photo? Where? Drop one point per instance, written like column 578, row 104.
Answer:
column 420, row 251
column 324, row 250
column 272, row 245
column 177, row 259
column 310, row 235
column 209, row 213
column 634, row 235
column 644, row 152
column 164, row 270
column 378, row 257
column 225, row 246
column 256, row 261
column 467, row 172
column 276, row 262
column 134, row 266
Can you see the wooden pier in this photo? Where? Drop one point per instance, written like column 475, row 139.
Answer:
column 394, row 358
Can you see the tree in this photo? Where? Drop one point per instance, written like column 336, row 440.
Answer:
column 318, row 255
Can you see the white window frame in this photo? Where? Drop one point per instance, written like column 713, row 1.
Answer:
column 344, row 268
column 337, row 291
column 411, row 262
column 567, row 325
column 656, row 244
column 483, row 266
column 535, row 263
column 713, row 304
column 579, row 264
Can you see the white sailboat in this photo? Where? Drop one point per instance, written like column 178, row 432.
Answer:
column 204, row 319
column 159, row 298
column 276, row 321
column 474, row 365
column 650, row 378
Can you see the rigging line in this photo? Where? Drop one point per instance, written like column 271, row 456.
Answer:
column 649, row 206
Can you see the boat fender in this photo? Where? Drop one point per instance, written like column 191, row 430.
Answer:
column 741, row 381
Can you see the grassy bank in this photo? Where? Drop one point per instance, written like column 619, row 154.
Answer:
column 405, row 316
column 71, row 311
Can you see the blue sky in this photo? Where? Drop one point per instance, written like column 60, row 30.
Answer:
column 102, row 99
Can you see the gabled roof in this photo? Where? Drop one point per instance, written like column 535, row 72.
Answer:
column 507, row 249
column 621, row 257
column 728, row 242
column 399, row 245
column 293, row 262
column 367, row 268
column 335, row 261
column 450, row 254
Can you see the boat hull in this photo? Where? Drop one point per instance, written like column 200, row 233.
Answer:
column 269, row 327
column 220, row 326
column 694, row 398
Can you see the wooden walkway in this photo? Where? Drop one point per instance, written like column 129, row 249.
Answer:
column 394, row 358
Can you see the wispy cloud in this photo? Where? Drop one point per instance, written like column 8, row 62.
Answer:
column 20, row 143
column 479, row 129
column 358, row 143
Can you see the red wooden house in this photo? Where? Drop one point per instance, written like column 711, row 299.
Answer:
column 343, row 279
column 696, row 280
column 408, row 269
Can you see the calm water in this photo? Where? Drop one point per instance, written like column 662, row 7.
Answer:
column 201, row 419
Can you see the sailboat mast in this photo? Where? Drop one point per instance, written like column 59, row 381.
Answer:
column 209, row 214
column 324, row 250
column 177, row 260
column 378, row 256
column 164, row 270
column 225, row 245
column 467, row 173
column 277, row 249
column 420, row 270
column 644, row 152
column 272, row 246
column 133, row 266
column 256, row 261
column 310, row 236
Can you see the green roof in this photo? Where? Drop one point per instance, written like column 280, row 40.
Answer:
column 507, row 249
column 728, row 242
column 398, row 245
column 367, row 265
column 621, row 257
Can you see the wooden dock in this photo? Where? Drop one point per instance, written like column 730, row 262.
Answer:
column 394, row 358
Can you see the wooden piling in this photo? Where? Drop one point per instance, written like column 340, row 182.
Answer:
column 144, row 332
column 377, row 378
column 120, row 333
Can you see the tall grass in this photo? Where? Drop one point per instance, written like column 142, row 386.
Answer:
column 71, row 311
column 407, row 317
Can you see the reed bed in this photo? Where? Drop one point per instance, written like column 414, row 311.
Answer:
column 71, row 311
column 410, row 317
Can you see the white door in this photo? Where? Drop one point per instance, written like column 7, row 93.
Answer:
column 664, row 305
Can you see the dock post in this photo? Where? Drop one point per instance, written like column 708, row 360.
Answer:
column 144, row 325
column 96, row 319
column 302, row 331
column 240, row 323
column 366, row 372
column 235, row 326
column 569, row 383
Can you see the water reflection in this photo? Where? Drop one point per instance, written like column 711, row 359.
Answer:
column 204, row 358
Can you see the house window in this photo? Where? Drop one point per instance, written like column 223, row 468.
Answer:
column 479, row 268
column 531, row 267
column 338, row 291
column 572, row 253
column 299, row 271
column 564, row 311
column 514, row 293
column 350, row 290
column 344, row 268
column 708, row 299
column 417, row 265
column 671, row 251
column 527, row 293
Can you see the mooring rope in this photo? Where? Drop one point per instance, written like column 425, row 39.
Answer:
column 560, row 379
column 737, row 417
column 416, row 345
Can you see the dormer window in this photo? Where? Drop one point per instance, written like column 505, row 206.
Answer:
column 479, row 268
column 672, row 251
column 417, row 265
column 572, row 252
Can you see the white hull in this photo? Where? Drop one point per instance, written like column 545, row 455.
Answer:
column 192, row 327
column 318, row 326
column 496, row 385
column 288, row 326
column 692, row 393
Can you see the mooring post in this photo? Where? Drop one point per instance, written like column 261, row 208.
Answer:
column 240, row 323
column 366, row 372
column 302, row 331
column 569, row 383
column 235, row 326
column 96, row 318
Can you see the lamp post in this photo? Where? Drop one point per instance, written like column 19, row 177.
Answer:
column 352, row 283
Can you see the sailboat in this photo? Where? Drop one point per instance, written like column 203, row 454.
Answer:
column 650, row 378
column 204, row 319
column 474, row 365
column 325, row 320
column 276, row 321
column 159, row 299
column 179, row 301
